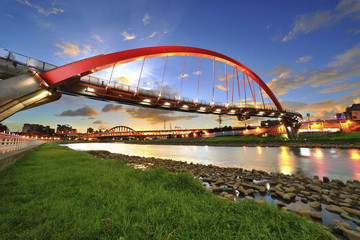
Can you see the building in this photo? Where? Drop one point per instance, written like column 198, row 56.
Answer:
column 37, row 130
column 64, row 129
column 353, row 112
column 3, row 129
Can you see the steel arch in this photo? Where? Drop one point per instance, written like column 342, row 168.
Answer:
column 120, row 129
column 98, row 63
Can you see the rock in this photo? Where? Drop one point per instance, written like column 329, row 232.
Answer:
column 356, row 221
column 306, row 208
column 327, row 199
column 302, row 213
column 289, row 190
column 338, row 225
column 281, row 203
column 351, row 211
column 345, row 204
column 304, row 200
column 351, row 235
column 261, row 201
column 248, row 198
column 335, row 209
column 326, row 179
column 305, row 193
column 338, row 182
column 357, row 229
column 229, row 197
column 345, row 216
column 285, row 209
column 216, row 189
column 316, row 216
column 289, row 196
column 316, row 205
column 314, row 197
column 316, row 188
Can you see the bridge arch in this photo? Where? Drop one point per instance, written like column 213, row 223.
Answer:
column 94, row 64
column 118, row 129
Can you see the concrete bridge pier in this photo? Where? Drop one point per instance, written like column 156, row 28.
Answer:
column 23, row 92
column 292, row 128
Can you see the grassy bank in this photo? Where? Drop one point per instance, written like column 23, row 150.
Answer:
column 58, row 193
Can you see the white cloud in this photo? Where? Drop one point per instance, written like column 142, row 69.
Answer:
column 97, row 37
column 344, row 66
column 197, row 73
column 185, row 75
column 128, row 36
column 304, row 59
column 309, row 22
column 150, row 36
column 41, row 10
column 71, row 49
column 146, row 19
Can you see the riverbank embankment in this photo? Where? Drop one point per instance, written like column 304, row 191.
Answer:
column 58, row 193
column 315, row 195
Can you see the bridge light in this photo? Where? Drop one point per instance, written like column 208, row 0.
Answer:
column 202, row 109
column 227, row 105
column 261, row 113
column 218, row 110
column 167, row 104
column 147, row 100
column 185, row 106
column 212, row 103
column 90, row 89
column 232, row 111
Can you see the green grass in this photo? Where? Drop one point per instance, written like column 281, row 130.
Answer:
column 57, row 193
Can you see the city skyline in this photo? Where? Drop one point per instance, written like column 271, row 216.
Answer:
column 308, row 53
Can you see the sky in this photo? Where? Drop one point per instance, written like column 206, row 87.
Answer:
column 307, row 52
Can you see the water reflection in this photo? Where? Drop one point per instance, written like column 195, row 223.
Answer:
column 355, row 162
column 286, row 161
column 334, row 163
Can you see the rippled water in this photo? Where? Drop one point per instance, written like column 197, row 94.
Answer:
column 343, row 164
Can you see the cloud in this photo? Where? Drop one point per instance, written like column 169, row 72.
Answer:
column 229, row 76
column 221, row 87
column 128, row 36
column 292, row 105
column 150, row 36
column 341, row 87
column 279, row 69
column 356, row 92
column 85, row 111
column 71, row 49
column 146, row 19
column 155, row 116
column 41, row 10
column 99, row 122
column 124, row 80
column 197, row 73
column 97, row 37
column 343, row 67
column 353, row 31
column 309, row 22
column 304, row 59
column 113, row 108
column 185, row 75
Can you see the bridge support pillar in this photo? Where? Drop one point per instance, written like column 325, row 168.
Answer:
column 292, row 128
column 23, row 92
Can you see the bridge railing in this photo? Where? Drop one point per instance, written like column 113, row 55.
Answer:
column 12, row 143
column 24, row 60
column 154, row 93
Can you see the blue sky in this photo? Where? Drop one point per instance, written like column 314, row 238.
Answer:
column 308, row 52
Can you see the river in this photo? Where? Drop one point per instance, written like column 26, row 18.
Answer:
column 343, row 164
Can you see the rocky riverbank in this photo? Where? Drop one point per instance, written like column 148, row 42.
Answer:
column 307, row 144
column 229, row 183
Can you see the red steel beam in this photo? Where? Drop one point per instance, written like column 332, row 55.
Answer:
column 100, row 62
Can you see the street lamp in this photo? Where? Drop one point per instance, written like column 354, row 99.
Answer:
column 309, row 127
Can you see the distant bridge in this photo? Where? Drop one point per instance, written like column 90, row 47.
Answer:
column 28, row 83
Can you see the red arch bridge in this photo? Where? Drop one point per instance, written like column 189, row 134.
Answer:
column 198, row 80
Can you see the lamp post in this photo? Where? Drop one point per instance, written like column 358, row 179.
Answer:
column 309, row 127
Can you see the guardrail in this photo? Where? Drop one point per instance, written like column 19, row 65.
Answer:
column 24, row 60
column 11, row 143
